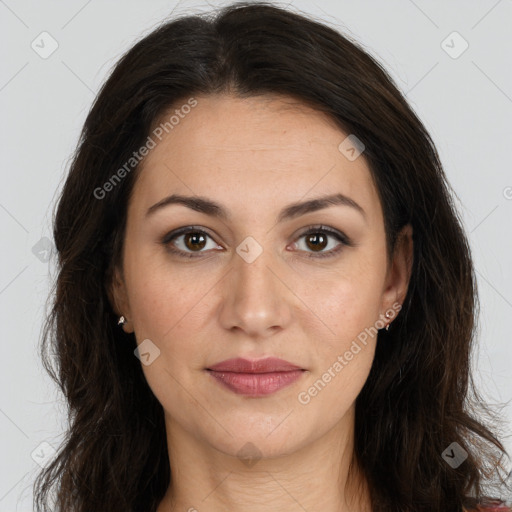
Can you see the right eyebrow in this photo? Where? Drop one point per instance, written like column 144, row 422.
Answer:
column 210, row 207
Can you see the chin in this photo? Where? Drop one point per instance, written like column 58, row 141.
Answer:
column 249, row 442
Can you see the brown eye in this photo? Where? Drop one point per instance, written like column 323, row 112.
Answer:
column 194, row 241
column 316, row 241
column 318, row 238
column 189, row 242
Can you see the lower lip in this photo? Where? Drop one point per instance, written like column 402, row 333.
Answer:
column 256, row 384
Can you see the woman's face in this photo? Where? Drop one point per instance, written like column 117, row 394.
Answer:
column 245, row 280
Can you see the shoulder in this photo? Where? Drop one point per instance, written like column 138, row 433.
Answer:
column 491, row 506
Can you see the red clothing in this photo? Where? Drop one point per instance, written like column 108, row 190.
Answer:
column 497, row 506
column 492, row 508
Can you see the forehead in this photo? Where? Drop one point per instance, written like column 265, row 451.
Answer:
column 252, row 151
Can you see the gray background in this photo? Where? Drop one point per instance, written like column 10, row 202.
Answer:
column 465, row 103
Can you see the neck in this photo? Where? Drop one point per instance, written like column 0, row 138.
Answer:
column 317, row 476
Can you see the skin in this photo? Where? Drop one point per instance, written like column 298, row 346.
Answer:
column 255, row 156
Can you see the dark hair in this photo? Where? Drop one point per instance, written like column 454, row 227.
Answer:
column 419, row 397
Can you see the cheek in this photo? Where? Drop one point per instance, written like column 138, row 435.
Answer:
column 346, row 304
column 169, row 309
column 344, row 355
column 163, row 296
column 172, row 308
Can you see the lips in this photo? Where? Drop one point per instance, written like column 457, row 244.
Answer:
column 267, row 365
column 255, row 378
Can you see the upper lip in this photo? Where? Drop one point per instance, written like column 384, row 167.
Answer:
column 267, row 365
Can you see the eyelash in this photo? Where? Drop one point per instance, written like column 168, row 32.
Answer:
column 340, row 237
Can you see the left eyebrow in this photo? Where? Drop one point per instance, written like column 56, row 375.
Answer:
column 292, row 211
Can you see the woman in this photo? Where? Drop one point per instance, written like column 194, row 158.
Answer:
column 265, row 298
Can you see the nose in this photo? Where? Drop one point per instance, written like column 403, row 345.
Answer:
column 256, row 297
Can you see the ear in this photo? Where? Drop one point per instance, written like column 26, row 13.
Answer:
column 399, row 271
column 118, row 297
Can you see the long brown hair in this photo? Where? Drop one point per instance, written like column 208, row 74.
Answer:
column 419, row 397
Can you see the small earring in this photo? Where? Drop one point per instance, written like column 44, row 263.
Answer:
column 121, row 321
column 387, row 316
